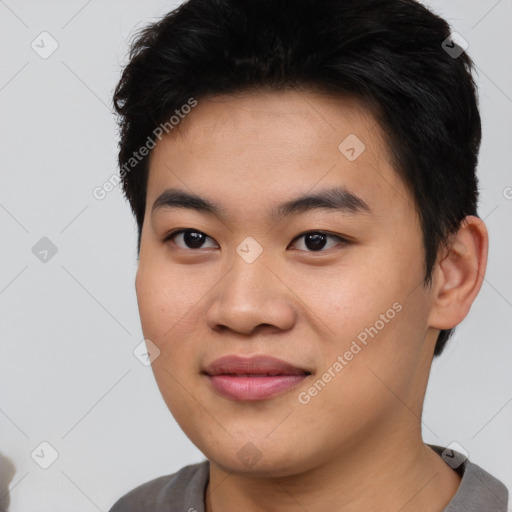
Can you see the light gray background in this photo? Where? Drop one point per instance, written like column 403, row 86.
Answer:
column 69, row 326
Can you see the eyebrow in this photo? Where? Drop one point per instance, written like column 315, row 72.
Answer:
column 336, row 199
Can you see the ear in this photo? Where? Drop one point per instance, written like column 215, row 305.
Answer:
column 459, row 274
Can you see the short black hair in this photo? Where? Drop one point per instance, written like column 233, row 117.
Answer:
column 390, row 54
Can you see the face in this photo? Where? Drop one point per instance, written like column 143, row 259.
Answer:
column 331, row 286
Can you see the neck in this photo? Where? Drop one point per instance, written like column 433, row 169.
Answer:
column 401, row 474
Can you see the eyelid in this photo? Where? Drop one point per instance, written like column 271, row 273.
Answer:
column 342, row 240
column 179, row 231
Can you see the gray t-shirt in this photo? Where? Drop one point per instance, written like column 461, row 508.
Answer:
column 184, row 491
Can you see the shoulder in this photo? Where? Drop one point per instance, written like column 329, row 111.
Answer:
column 478, row 489
column 181, row 491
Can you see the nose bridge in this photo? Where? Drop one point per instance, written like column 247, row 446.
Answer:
column 250, row 294
column 249, row 270
column 248, row 284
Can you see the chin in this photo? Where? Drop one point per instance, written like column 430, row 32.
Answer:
column 259, row 458
column 274, row 466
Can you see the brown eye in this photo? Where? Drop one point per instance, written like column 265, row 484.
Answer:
column 188, row 239
column 316, row 241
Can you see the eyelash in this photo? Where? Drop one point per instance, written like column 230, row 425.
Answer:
column 342, row 241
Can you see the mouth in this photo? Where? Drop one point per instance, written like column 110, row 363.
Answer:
column 253, row 378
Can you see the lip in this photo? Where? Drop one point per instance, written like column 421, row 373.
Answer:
column 253, row 378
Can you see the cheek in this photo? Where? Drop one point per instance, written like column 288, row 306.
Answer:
column 171, row 302
column 366, row 377
column 375, row 319
column 152, row 302
column 345, row 300
column 164, row 296
column 164, row 312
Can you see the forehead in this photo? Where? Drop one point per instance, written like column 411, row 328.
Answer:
column 256, row 145
column 261, row 115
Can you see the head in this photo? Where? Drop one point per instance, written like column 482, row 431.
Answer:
column 244, row 107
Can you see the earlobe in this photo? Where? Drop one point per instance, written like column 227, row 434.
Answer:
column 459, row 273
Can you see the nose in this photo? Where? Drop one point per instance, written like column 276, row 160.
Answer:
column 251, row 297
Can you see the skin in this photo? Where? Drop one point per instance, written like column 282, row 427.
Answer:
column 357, row 444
